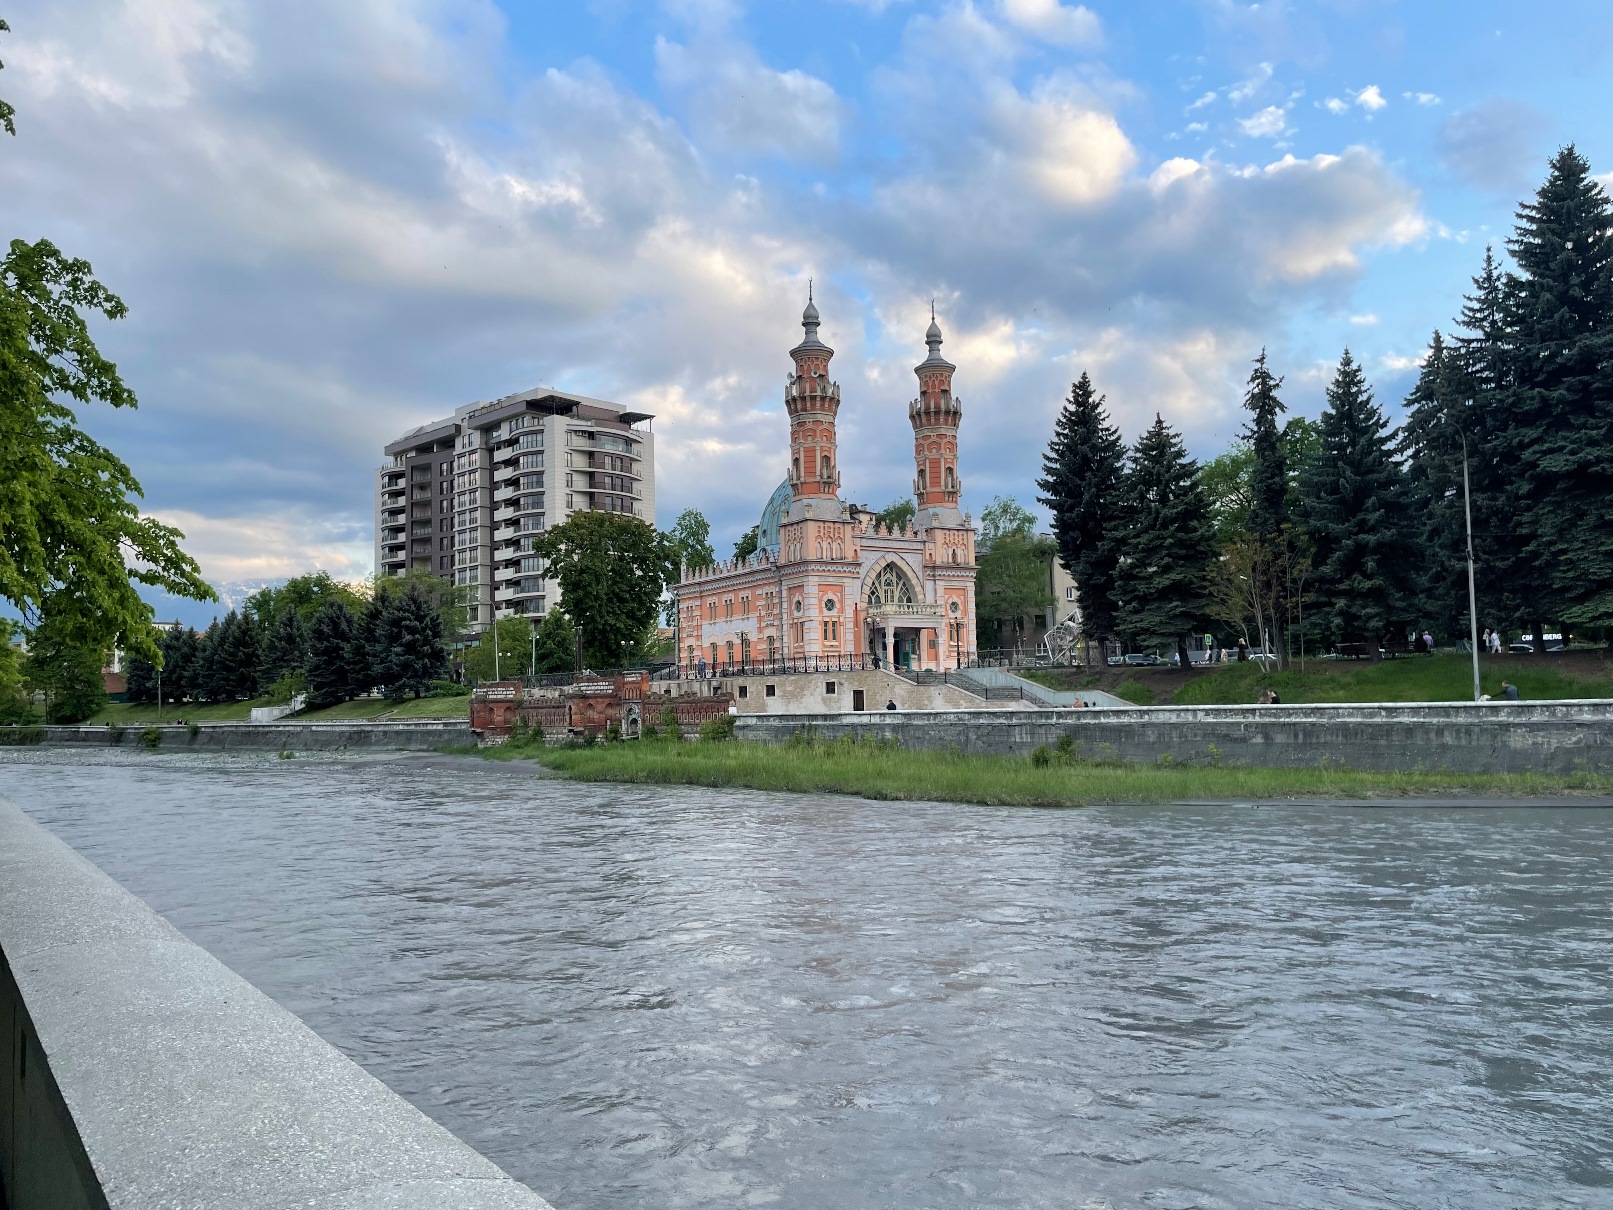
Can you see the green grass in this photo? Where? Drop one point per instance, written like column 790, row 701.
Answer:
column 1439, row 678
column 874, row 770
column 128, row 714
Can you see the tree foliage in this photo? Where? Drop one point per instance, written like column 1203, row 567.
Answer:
column 612, row 570
column 7, row 113
column 556, row 649
column 63, row 668
column 408, row 651
column 1161, row 576
column 1352, row 507
column 1012, row 582
column 897, row 515
column 334, row 649
column 513, row 637
column 69, row 527
column 690, row 538
column 749, row 543
column 1080, row 485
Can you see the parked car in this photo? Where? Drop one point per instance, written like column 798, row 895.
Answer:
column 1529, row 648
column 1139, row 659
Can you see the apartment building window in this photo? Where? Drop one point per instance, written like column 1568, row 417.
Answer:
column 531, row 462
column 445, row 543
column 569, row 503
column 468, row 575
column 569, row 482
column 1069, row 592
column 532, row 483
column 531, row 441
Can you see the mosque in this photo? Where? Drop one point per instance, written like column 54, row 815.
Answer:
column 829, row 586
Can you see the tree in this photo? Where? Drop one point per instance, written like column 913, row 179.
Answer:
column 368, row 653
column 1353, row 508
column 333, row 642
column 306, row 593
column 181, row 656
column 285, row 646
column 1012, row 581
column 64, row 669
column 557, row 643
column 1268, row 477
column 69, row 526
column 451, row 601
column 140, row 677
column 1161, row 579
column 897, row 515
column 690, row 536
column 7, row 113
column 1227, row 481
column 1081, row 474
column 612, row 570
column 409, row 652
column 749, row 543
column 245, row 658
column 14, row 704
column 1560, row 439
column 513, row 637
column 1429, row 443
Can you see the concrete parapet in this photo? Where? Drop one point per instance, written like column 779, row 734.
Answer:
column 1464, row 737
column 140, row 1071
column 408, row 735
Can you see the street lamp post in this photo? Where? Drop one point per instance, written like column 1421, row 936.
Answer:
column 1472, row 592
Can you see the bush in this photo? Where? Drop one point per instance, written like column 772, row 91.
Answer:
column 1041, row 758
column 114, row 733
column 151, row 737
column 669, row 723
column 448, row 689
column 15, row 736
column 195, row 729
column 650, row 731
column 715, row 730
column 286, row 688
column 613, row 733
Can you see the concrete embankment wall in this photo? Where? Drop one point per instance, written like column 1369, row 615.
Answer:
column 140, row 1071
column 411, row 736
column 1466, row 737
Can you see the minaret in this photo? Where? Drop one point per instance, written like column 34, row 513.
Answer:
column 812, row 402
column 935, row 415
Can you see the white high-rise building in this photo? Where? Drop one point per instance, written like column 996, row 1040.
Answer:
column 464, row 497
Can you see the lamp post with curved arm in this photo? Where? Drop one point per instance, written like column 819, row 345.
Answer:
column 1472, row 593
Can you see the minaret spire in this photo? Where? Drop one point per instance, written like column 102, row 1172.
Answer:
column 813, row 403
column 935, row 416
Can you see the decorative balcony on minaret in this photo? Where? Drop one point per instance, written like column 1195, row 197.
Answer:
column 935, row 416
column 813, row 403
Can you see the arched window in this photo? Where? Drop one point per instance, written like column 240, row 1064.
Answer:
column 889, row 587
column 951, row 480
column 924, row 480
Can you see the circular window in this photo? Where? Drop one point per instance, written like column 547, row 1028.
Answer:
column 828, row 605
column 953, row 608
column 799, row 604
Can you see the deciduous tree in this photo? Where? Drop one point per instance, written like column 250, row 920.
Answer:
column 612, row 570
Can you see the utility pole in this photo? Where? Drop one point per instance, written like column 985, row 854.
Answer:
column 1472, row 592
column 493, row 630
column 534, row 663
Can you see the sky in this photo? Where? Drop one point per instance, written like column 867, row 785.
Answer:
column 335, row 221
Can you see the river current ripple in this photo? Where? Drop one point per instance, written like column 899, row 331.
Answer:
column 669, row 997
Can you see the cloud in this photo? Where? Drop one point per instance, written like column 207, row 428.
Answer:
column 1251, row 84
column 739, row 104
column 1494, row 144
column 327, row 242
column 1364, row 321
column 1422, row 98
column 1335, row 106
column 1270, row 123
column 1207, row 99
column 1053, row 22
column 1370, row 99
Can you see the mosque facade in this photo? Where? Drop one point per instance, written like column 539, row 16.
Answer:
column 829, row 586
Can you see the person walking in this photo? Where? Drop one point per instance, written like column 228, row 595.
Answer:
column 1495, row 642
column 1428, row 642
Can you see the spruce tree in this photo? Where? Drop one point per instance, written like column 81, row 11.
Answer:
column 332, row 644
column 408, row 652
column 220, row 683
column 285, row 649
column 557, row 643
column 369, row 643
column 201, row 670
column 181, row 653
column 140, row 680
column 1161, row 580
column 1352, row 501
column 1561, row 434
column 1268, row 487
column 1081, row 486
column 1430, row 445
column 246, row 657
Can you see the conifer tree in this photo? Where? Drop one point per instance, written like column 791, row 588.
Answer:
column 1161, row 579
column 557, row 643
column 369, row 652
column 1352, row 498
column 1268, row 488
column 246, row 657
column 407, row 652
column 140, row 680
column 181, row 651
column 1560, row 438
column 333, row 636
column 1430, row 443
column 1081, row 487
column 201, row 672
column 285, row 649
column 219, row 685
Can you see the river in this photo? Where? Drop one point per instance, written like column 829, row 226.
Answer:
column 671, row 997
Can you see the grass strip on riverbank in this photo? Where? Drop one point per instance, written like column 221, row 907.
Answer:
column 873, row 770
